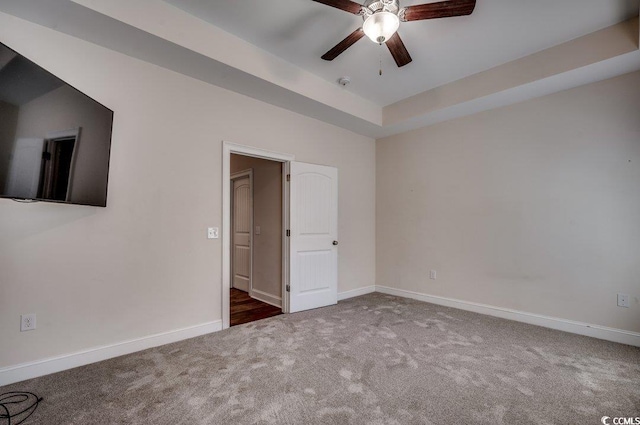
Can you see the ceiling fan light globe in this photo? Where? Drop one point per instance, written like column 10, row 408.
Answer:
column 381, row 26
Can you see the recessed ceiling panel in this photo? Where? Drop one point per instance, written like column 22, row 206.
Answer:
column 443, row 50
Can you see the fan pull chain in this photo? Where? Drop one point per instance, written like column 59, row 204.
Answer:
column 380, row 56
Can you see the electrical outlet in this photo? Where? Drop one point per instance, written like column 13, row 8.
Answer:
column 27, row 322
column 212, row 233
column 623, row 300
column 432, row 274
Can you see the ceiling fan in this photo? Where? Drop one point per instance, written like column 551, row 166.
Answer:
column 382, row 19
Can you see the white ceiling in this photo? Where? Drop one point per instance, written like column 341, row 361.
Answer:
column 443, row 50
column 157, row 32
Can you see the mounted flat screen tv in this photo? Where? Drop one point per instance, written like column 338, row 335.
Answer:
column 54, row 140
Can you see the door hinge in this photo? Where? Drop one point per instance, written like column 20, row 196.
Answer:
column 288, row 232
column 288, row 177
column 288, row 288
column 46, row 156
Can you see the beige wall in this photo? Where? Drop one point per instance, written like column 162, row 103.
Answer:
column 8, row 123
column 64, row 109
column 533, row 207
column 143, row 264
column 267, row 213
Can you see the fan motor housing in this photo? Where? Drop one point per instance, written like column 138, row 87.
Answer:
column 374, row 6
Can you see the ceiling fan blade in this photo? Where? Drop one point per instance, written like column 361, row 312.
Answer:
column 441, row 9
column 398, row 50
column 343, row 45
column 346, row 5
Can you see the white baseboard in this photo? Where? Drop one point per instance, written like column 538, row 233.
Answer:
column 580, row 328
column 266, row 298
column 241, row 286
column 356, row 292
column 11, row 374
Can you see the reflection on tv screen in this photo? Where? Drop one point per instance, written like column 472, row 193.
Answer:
column 54, row 140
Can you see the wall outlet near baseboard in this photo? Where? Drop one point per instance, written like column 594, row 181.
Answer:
column 623, row 300
column 432, row 274
column 27, row 322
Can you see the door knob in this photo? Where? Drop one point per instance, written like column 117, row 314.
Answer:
column 335, row 242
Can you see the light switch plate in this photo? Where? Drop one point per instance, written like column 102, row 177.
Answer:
column 212, row 233
column 623, row 300
column 257, row 230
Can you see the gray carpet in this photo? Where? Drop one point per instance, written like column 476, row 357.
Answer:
column 374, row 359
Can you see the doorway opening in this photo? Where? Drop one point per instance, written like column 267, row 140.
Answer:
column 256, row 238
column 308, row 233
column 57, row 165
column 247, row 153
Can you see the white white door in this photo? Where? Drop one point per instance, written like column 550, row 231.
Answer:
column 24, row 174
column 241, row 219
column 313, row 224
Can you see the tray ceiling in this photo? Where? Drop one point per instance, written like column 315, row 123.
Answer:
column 443, row 50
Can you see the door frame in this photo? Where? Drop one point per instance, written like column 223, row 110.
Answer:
column 237, row 176
column 227, row 149
column 54, row 137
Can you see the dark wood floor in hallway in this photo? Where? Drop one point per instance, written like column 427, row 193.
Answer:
column 245, row 309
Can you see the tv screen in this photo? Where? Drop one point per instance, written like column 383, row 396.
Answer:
column 54, row 140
